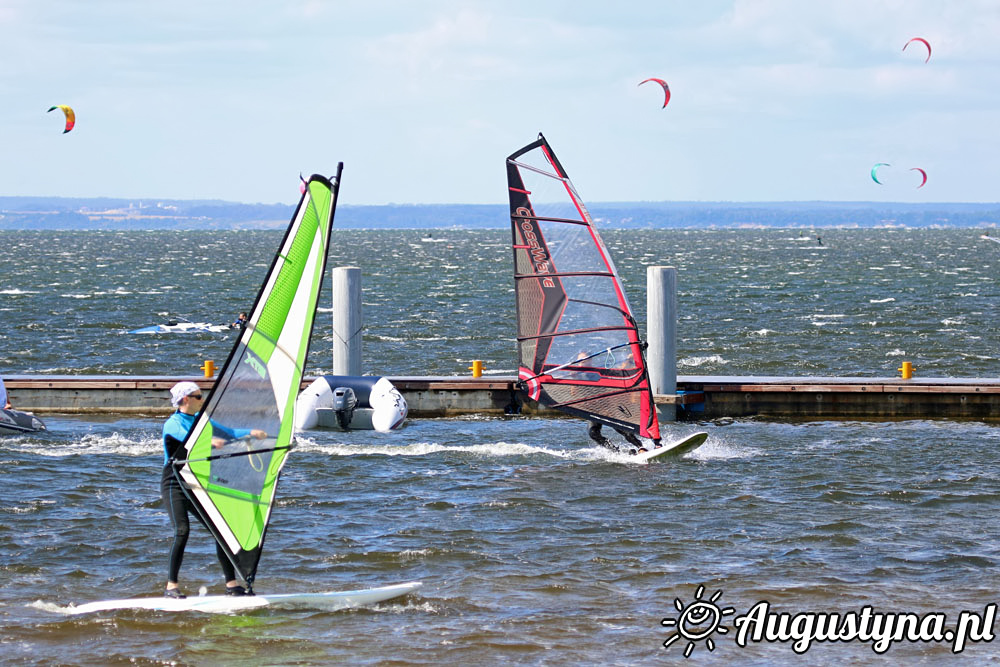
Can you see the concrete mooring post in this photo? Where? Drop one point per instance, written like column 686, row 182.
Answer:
column 661, row 335
column 347, row 325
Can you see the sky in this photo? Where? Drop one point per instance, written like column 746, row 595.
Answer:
column 771, row 100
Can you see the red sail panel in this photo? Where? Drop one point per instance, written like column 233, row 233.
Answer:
column 578, row 343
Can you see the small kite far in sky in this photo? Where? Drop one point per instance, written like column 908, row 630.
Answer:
column 875, row 169
column 923, row 173
column 70, row 116
column 922, row 41
column 666, row 90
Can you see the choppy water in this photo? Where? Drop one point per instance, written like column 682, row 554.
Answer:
column 534, row 547
column 752, row 302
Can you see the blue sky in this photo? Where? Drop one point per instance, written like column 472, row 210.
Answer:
column 423, row 99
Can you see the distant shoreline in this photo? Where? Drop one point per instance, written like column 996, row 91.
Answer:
column 54, row 213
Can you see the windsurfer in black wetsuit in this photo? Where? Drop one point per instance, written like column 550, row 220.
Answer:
column 595, row 434
column 187, row 398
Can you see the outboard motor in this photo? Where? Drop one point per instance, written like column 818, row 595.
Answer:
column 344, row 402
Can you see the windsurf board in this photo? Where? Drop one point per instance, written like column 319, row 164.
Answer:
column 673, row 449
column 182, row 327
column 216, row 604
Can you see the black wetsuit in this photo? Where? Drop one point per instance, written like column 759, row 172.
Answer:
column 178, row 506
column 595, row 434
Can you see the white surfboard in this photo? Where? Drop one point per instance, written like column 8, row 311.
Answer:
column 673, row 449
column 216, row 604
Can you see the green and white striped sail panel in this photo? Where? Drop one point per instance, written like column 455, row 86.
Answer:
column 239, row 442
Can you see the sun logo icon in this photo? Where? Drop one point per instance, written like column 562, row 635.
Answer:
column 697, row 621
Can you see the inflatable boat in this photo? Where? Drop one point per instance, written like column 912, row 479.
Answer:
column 15, row 421
column 350, row 403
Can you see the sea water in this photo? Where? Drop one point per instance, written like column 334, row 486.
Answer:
column 533, row 545
column 750, row 302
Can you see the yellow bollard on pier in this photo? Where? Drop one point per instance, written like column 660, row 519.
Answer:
column 477, row 369
column 208, row 367
column 906, row 369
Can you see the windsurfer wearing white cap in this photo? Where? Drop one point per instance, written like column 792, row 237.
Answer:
column 187, row 397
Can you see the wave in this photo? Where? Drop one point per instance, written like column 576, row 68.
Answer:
column 114, row 444
column 720, row 450
column 699, row 361
column 502, row 449
column 490, row 450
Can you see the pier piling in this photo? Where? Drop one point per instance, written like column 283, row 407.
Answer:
column 661, row 335
column 347, row 322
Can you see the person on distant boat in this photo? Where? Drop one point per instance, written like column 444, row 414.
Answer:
column 240, row 322
column 3, row 396
column 189, row 400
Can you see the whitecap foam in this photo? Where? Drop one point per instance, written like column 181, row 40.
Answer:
column 895, row 353
column 698, row 361
column 93, row 443
column 715, row 449
column 31, row 506
column 51, row 607
column 396, row 608
column 491, row 450
column 887, row 300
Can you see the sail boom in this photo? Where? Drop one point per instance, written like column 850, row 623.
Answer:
column 248, row 452
column 574, row 332
column 537, row 170
column 564, row 274
column 535, row 218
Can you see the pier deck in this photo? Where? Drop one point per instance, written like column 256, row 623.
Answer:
column 698, row 397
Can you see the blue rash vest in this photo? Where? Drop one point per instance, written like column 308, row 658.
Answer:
column 179, row 424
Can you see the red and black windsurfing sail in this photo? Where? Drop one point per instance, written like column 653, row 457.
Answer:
column 578, row 343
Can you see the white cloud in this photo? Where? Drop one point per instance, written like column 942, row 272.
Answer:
column 423, row 99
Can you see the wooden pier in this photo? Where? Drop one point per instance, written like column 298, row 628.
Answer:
column 697, row 398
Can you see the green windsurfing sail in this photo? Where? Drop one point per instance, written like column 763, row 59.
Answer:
column 231, row 459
